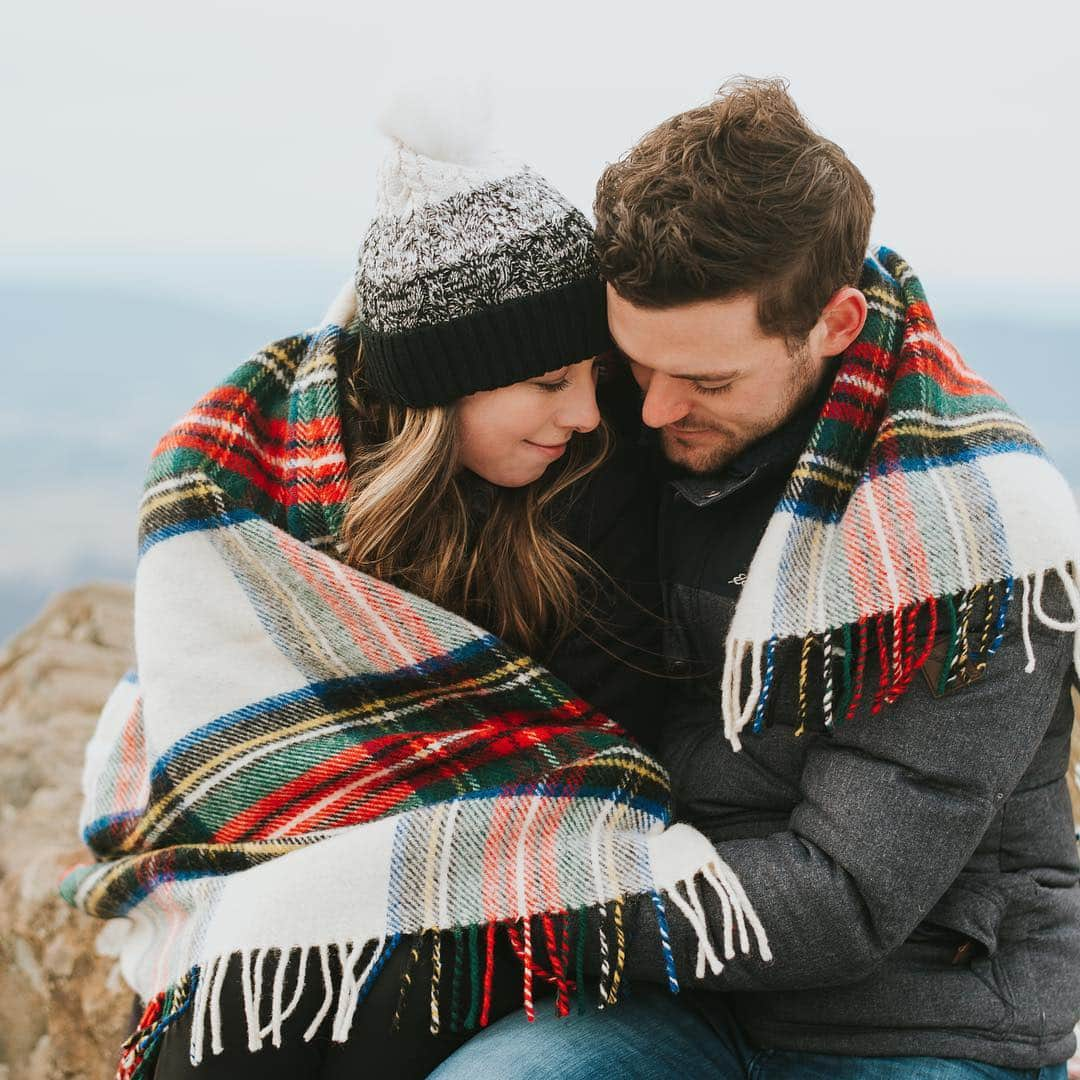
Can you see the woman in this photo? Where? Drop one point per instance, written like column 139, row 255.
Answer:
column 463, row 392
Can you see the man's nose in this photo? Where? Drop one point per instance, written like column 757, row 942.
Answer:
column 665, row 401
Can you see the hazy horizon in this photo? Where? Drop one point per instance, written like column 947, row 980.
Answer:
column 133, row 350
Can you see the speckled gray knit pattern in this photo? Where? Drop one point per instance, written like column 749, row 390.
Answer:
column 503, row 240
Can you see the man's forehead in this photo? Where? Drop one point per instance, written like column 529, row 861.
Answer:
column 702, row 338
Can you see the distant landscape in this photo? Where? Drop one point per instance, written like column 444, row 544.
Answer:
column 95, row 371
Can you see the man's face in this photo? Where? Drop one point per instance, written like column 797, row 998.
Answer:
column 713, row 382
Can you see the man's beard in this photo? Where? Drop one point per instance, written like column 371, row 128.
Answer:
column 702, row 455
column 708, row 457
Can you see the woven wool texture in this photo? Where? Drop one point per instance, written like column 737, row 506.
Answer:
column 311, row 759
column 920, row 498
column 471, row 277
column 499, row 241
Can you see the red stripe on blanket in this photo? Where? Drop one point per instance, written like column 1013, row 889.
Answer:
column 333, row 486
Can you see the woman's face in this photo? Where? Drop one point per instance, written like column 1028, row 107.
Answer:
column 509, row 436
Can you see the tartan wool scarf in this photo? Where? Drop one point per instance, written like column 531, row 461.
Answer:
column 312, row 761
column 920, row 506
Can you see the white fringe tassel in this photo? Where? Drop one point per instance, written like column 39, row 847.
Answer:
column 207, row 1002
column 277, row 1014
column 1071, row 583
column 738, row 913
column 740, row 921
column 216, row 1045
column 1025, row 625
column 349, row 993
column 328, row 997
column 737, row 713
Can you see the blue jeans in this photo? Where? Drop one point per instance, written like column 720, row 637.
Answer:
column 653, row 1034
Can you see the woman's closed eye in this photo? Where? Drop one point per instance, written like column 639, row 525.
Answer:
column 560, row 381
column 562, row 384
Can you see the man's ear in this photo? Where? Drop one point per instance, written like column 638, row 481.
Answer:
column 841, row 320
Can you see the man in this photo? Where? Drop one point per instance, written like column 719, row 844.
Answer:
column 869, row 574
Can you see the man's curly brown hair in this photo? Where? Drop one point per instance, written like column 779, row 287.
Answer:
column 738, row 196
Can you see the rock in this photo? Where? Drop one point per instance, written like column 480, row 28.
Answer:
column 63, row 1010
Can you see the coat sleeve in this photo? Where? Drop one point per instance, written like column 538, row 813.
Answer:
column 891, row 809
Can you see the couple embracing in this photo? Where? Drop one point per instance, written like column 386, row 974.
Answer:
column 639, row 651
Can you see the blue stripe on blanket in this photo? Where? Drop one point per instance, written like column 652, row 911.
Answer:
column 219, row 521
column 106, row 822
column 314, row 691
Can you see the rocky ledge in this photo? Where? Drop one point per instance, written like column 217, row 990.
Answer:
column 63, row 1006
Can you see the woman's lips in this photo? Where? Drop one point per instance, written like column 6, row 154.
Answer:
column 552, row 452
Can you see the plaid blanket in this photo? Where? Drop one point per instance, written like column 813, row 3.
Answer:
column 920, row 506
column 311, row 760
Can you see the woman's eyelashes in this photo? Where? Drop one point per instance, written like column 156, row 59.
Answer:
column 553, row 384
column 551, row 387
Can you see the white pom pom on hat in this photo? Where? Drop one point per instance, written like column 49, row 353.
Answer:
column 445, row 118
column 441, row 134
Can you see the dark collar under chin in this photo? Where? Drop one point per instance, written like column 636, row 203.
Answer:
column 778, row 450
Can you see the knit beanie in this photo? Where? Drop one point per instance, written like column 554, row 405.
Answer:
column 475, row 273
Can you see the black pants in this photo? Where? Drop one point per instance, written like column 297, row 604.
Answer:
column 372, row 1048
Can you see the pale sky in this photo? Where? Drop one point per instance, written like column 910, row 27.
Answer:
column 223, row 153
column 246, row 126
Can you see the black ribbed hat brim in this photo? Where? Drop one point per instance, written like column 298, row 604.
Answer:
column 493, row 347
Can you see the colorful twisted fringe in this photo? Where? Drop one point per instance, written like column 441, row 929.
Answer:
column 918, row 507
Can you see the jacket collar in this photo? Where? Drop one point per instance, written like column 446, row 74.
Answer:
column 779, row 449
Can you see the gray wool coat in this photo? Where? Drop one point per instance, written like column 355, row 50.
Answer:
column 915, row 871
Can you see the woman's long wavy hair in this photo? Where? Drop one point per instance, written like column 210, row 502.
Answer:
column 491, row 554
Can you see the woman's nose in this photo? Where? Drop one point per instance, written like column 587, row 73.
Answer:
column 580, row 410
